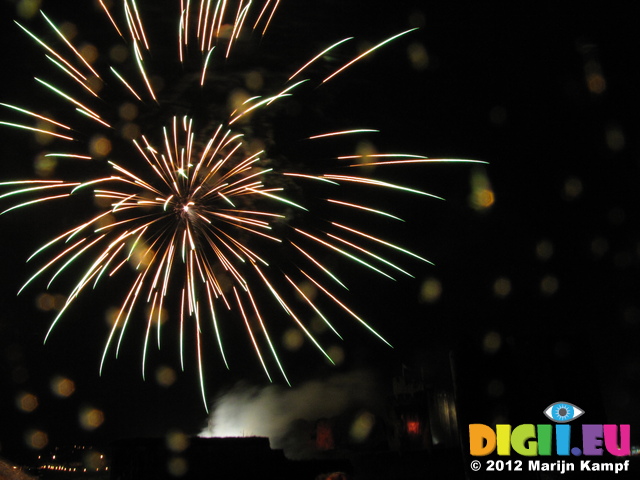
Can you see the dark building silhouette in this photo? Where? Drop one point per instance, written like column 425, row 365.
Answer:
column 206, row 458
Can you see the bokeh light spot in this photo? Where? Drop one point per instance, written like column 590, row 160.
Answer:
column 36, row 439
column 165, row 376
column 177, row 466
column 431, row 290
column 62, row 386
column 549, row 285
column 100, row 146
column 362, row 426
column 336, row 352
column 293, row 339
column 28, row 8
column 572, row 188
column 27, row 402
column 91, row 418
column 544, row 249
column 502, row 287
column 177, row 441
column 492, row 342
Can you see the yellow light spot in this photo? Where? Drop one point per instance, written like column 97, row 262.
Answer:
column 599, row 246
column 45, row 166
column 572, row 188
column 177, row 441
column 254, row 81
column 28, row 8
column 119, row 54
column 177, row 466
column 498, row 115
column 293, row 339
column 27, row 402
column 62, row 387
column 482, row 196
column 69, row 30
column 95, row 84
column 596, row 83
column 362, row 426
column 418, row 56
column 492, row 342
column 91, row 418
column 336, row 352
column 94, row 461
column 89, row 52
column 128, row 111
column 431, row 290
column 615, row 138
column 36, row 439
column 165, row 376
column 45, row 302
column 44, row 138
column 544, row 249
column 502, row 287
column 99, row 146
column 495, row 388
column 549, row 285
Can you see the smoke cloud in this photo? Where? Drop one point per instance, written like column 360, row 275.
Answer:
column 279, row 413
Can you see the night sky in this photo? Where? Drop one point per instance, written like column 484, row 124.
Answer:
column 533, row 299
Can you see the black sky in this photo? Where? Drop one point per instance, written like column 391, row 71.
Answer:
column 506, row 83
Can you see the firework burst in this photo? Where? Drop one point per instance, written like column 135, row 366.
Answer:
column 206, row 219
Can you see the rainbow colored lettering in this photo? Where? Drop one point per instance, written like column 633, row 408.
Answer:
column 532, row 440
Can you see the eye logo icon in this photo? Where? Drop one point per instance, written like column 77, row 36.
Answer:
column 562, row 412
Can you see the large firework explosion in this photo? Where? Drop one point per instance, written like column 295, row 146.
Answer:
column 191, row 199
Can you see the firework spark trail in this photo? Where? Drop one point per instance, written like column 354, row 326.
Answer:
column 207, row 209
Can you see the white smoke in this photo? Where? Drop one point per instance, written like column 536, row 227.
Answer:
column 271, row 411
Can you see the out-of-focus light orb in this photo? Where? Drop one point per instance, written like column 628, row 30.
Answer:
column 293, row 339
column 128, row 111
column 599, row 246
column 502, row 287
column 498, row 115
column 27, row 402
column 309, row 290
column 141, row 255
column 89, row 52
column 431, row 290
column 572, row 188
column 549, row 285
column 614, row 137
column 44, row 139
column 62, row 387
column 544, row 249
column 491, row 342
column 91, row 418
column 236, row 101
column 336, row 352
column 69, row 30
column 118, row 53
column 318, row 325
column 616, row 216
column 362, row 426
column 130, row 131
column 177, row 441
column 100, row 146
column 177, row 466
column 36, row 439
column 495, row 388
column 28, row 8
column 366, row 149
column 418, row 56
column 482, row 196
column 45, row 302
column 94, row 461
column 165, row 376
column 44, row 166
column 254, row 80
